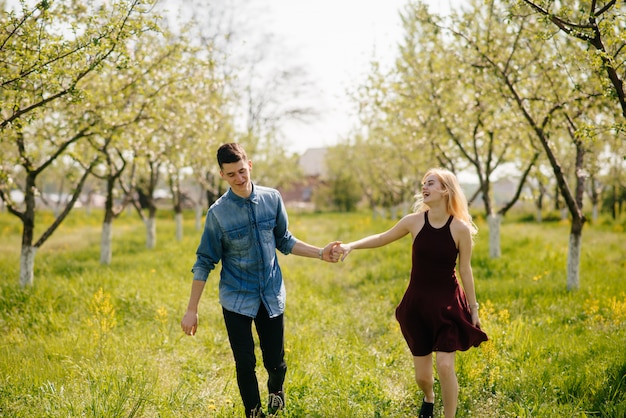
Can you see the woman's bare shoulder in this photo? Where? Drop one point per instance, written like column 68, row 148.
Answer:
column 459, row 227
column 413, row 222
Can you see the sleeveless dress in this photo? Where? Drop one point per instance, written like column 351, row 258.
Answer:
column 434, row 314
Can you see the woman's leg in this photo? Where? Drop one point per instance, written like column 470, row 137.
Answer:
column 449, row 383
column 424, row 376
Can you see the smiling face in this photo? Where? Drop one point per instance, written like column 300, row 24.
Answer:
column 432, row 189
column 237, row 175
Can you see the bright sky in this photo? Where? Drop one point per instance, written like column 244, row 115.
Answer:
column 335, row 40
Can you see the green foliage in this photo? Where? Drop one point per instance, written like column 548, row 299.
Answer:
column 92, row 340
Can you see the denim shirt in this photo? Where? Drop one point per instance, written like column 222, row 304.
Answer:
column 244, row 234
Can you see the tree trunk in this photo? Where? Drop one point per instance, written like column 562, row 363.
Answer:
column 106, row 240
column 179, row 226
column 199, row 217
column 573, row 258
column 151, row 232
column 494, row 222
column 27, row 265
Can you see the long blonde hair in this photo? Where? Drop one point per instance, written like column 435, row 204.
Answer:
column 456, row 201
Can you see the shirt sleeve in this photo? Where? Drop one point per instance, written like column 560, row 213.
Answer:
column 284, row 240
column 209, row 252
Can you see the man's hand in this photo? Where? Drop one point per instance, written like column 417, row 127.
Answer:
column 189, row 324
column 329, row 254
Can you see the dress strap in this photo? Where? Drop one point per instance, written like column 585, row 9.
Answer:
column 446, row 225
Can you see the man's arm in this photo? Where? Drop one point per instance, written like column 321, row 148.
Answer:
column 189, row 324
column 307, row 250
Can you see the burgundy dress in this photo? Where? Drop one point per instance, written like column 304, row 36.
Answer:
column 434, row 314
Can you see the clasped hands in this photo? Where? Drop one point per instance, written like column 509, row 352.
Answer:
column 335, row 251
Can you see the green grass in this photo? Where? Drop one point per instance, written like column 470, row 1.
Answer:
column 104, row 341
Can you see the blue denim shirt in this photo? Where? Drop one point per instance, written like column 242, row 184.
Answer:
column 244, row 234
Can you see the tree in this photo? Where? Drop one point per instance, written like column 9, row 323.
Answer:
column 470, row 121
column 543, row 81
column 387, row 153
column 262, row 88
column 601, row 27
column 44, row 68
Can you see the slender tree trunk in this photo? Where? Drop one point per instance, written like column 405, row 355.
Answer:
column 27, row 265
column 573, row 256
column 199, row 217
column 494, row 222
column 151, row 236
column 393, row 211
column 539, row 207
column 106, row 246
column 106, row 237
column 179, row 226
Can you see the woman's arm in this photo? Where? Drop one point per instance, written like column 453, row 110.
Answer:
column 465, row 268
column 398, row 231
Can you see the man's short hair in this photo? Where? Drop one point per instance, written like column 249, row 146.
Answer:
column 230, row 153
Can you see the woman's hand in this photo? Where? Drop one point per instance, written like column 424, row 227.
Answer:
column 342, row 250
column 475, row 319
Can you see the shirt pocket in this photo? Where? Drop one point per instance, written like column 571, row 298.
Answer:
column 238, row 240
column 266, row 230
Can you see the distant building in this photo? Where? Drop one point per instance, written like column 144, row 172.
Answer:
column 313, row 162
column 313, row 165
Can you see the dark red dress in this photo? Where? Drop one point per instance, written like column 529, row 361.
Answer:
column 434, row 314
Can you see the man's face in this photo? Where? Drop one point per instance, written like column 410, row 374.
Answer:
column 237, row 175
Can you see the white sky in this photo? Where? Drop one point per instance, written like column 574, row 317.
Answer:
column 335, row 41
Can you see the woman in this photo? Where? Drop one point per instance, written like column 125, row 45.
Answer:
column 435, row 314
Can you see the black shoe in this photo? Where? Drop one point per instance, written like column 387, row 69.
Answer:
column 275, row 402
column 426, row 411
column 256, row 413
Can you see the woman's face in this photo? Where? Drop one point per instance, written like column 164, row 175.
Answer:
column 432, row 190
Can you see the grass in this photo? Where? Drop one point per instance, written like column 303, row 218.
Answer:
column 95, row 341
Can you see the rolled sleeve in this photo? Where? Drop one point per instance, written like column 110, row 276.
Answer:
column 209, row 252
column 284, row 240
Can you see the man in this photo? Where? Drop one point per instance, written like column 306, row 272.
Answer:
column 243, row 230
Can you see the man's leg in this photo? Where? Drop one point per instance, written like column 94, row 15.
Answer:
column 271, row 339
column 239, row 328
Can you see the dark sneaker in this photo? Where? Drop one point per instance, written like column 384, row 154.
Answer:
column 276, row 402
column 426, row 411
column 256, row 413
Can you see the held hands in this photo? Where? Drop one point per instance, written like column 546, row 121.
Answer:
column 329, row 253
column 341, row 251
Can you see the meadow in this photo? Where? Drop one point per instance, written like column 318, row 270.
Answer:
column 104, row 341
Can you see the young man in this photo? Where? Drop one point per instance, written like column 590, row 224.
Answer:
column 243, row 230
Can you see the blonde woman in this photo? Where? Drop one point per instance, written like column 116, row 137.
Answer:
column 436, row 315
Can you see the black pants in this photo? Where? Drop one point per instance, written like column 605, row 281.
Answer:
column 271, row 339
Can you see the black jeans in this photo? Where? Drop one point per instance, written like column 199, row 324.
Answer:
column 271, row 339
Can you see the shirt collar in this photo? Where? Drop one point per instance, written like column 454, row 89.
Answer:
column 240, row 201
